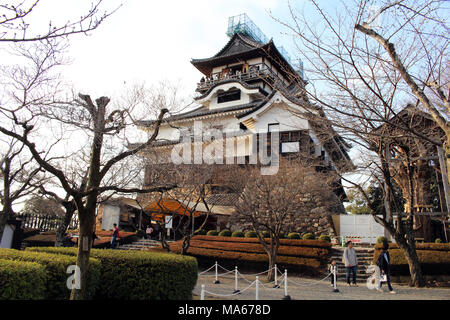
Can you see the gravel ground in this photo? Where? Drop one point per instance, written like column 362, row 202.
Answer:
column 310, row 289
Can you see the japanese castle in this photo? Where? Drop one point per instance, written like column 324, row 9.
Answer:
column 247, row 89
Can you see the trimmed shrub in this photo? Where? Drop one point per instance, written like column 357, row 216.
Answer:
column 284, row 242
column 308, row 236
column 139, row 274
column 308, row 256
column 238, row 234
column 297, row 251
column 324, row 237
column 294, row 235
column 55, row 267
column 432, row 262
column 251, row 234
column 201, row 232
column 22, row 280
column 265, row 234
column 212, row 233
column 420, row 246
column 382, row 240
column 438, row 240
column 225, row 233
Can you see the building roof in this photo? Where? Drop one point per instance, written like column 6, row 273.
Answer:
column 202, row 111
column 223, row 199
column 242, row 83
column 241, row 47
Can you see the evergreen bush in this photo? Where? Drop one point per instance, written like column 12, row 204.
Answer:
column 308, row 236
column 238, row 234
column 22, row 280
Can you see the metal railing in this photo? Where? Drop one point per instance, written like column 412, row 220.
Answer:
column 255, row 71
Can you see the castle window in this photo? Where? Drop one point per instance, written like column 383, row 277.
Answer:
column 229, row 96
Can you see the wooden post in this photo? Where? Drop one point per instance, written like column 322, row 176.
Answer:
column 444, row 174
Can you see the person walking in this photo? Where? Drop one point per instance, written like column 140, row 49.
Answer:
column 383, row 262
column 350, row 261
column 331, row 269
column 115, row 236
column 149, row 231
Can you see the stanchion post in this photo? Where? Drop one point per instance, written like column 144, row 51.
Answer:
column 335, row 289
column 276, row 277
column 236, row 290
column 286, row 296
column 257, row 288
column 202, row 294
column 217, row 274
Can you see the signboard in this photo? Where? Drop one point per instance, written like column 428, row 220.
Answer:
column 168, row 222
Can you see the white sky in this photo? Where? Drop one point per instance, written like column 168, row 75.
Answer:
column 152, row 40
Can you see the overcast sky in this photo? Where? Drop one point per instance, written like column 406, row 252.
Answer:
column 153, row 40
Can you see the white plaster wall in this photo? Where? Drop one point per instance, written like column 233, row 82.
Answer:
column 111, row 215
column 277, row 113
column 7, row 237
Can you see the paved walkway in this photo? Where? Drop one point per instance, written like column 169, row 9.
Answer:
column 308, row 289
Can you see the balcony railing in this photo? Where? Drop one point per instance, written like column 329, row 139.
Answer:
column 254, row 71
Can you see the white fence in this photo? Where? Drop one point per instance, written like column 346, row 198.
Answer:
column 361, row 227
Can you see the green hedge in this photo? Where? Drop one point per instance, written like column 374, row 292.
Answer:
column 325, row 237
column 251, row 234
column 22, row 280
column 212, row 233
column 294, row 235
column 55, row 267
column 225, row 233
column 238, row 234
column 140, row 275
column 433, row 262
column 308, row 236
column 265, row 234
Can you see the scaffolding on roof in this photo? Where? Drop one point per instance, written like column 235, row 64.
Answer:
column 242, row 24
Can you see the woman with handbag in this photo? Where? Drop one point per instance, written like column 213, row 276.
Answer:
column 383, row 262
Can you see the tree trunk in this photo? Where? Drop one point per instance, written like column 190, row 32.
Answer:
column 84, row 249
column 415, row 269
column 62, row 228
column 447, row 156
column 272, row 261
column 186, row 244
column 272, row 252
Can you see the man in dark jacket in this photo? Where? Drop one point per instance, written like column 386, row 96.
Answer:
column 383, row 262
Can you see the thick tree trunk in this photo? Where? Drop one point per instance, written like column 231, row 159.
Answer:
column 84, row 249
column 446, row 152
column 61, row 231
column 415, row 269
column 272, row 261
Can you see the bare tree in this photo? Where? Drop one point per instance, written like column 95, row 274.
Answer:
column 18, row 172
column 274, row 203
column 359, row 87
column 15, row 25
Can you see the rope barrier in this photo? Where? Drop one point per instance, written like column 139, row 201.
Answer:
column 309, row 284
column 283, row 281
column 201, row 273
column 223, row 295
